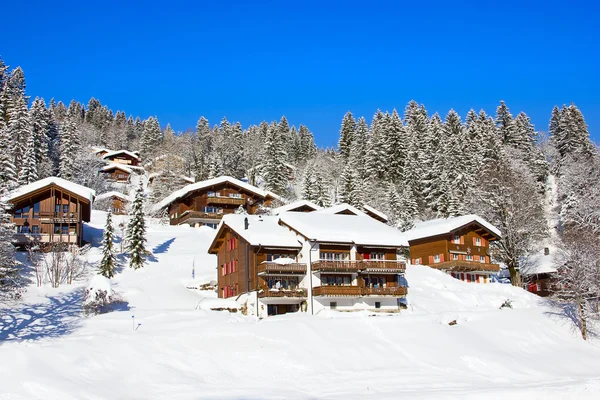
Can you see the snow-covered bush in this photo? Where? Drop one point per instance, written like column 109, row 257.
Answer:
column 100, row 297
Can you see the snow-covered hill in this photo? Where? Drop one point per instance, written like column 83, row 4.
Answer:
column 180, row 350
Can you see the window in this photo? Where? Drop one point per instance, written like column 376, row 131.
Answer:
column 65, row 208
column 273, row 257
column 377, row 304
column 57, row 208
column 22, row 212
column 22, row 228
column 36, row 210
column 210, row 194
column 418, row 261
column 377, row 256
column 35, row 229
column 469, row 257
column 333, row 305
column 284, row 283
column 546, row 251
column 477, row 241
column 482, row 259
column 336, row 280
column 335, row 256
column 65, row 229
column 57, row 229
column 214, row 226
column 456, row 239
column 235, row 195
column 436, row 258
column 455, row 256
column 212, row 210
column 375, row 282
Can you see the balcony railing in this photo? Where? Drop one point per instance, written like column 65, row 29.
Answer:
column 190, row 214
column 44, row 238
column 271, row 268
column 236, row 201
column 290, row 293
column 466, row 266
column 364, row 266
column 59, row 216
column 358, row 291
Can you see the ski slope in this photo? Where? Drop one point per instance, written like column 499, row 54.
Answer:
column 176, row 348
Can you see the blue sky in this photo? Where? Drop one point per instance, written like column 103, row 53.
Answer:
column 311, row 61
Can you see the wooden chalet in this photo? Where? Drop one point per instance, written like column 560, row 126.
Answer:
column 115, row 202
column 342, row 209
column 115, row 172
column 349, row 263
column 51, row 210
column 206, row 202
column 540, row 274
column 124, row 157
column 459, row 246
column 297, row 206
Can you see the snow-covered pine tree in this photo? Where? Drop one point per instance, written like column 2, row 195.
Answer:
column 308, row 183
column 432, row 183
column 505, row 124
column 68, row 147
column 358, row 150
column 11, row 281
column 346, row 135
column 395, row 146
column 136, row 231
column 19, row 125
column 375, row 161
column 8, row 175
column 321, row 196
column 108, row 263
column 151, row 137
column 307, row 148
column 39, row 125
column 29, row 168
column 274, row 169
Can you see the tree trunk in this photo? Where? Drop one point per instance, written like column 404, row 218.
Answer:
column 515, row 275
column 582, row 319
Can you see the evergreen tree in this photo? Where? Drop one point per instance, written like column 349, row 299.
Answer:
column 19, row 126
column 108, row 263
column 151, row 137
column 394, row 147
column 346, row 135
column 29, row 167
column 274, row 170
column 505, row 124
column 307, row 148
column 8, row 175
column 136, row 231
column 68, row 147
column 11, row 282
column 308, row 182
column 375, row 164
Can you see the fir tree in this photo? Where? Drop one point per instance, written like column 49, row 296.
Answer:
column 19, row 126
column 151, row 137
column 109, row 262
column 136, row 231
column 346, row 135
column 274, row 170
column 11, row 282
column 68, row 147
column 8, row 175
column 29, row 167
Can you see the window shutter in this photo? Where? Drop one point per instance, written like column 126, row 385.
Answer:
column 462, row 240
column 441, row 258
column 413, row 261
column 430, row 260
column 367, row 256
column 474, row 241
column 483, row 242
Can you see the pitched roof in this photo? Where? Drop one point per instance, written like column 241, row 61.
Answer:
column 339, row 228
column 338, row 208
column 443, row 226
column 375, row 211
column 295, row 205
column 112, row 166
column 540, row 263
column 212, row 182
column 99, row 149
column 263, row 230
column 74, row 188
column 115, row 153
column 108, row 195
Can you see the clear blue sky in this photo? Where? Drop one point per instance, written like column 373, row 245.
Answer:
column 312, row 61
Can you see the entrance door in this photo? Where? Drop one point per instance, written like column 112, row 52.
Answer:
column 272, row 309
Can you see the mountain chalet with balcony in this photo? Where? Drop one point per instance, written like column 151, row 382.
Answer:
column 51, row 210
column 459, row 246
column 310, row 261
column 206, row 202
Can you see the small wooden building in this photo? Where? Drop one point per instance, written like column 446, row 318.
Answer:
column 114, row 201
column 205, row 202
column 116, row 172
column 540, row 274
column 124, row 157
column 51, row 210
column 460, row 246
column 297, row 206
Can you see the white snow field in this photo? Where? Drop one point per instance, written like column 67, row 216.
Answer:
column 182, row 350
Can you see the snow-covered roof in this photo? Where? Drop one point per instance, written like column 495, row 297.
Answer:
column 72, row 187
column 340, row 208
column 263, row 230
column 99, row 149
column 540, row 263
column 375, row 211
column 340, row 228
column 112, row 166
column 295, row 205
column 212, row 182
column 108, row 195
column 116, row 153
column 443, row 226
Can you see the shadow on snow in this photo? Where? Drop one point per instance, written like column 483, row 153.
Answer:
column 568, row 312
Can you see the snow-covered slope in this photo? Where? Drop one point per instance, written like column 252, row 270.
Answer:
column 181, row 351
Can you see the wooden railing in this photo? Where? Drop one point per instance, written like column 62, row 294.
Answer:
column 274, row 268
column 226, row 200
column 282, row 293
column 21, row 238
column 60, row 216
column 359, row 266
column 358, row 291
column 467, row 266
column 195, row 214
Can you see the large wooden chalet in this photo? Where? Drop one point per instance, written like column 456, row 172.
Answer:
column 51, row 210
column 459, row 246
column 310, row 262
column 206, row 202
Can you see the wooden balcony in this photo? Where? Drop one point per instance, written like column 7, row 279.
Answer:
column 189, row 214
column 68, row 217
column 283, row 293
column 336, row 266
column 364, row 266
column 465, row 266
column 271, row 268
column 226, row 200
column 24, row 238
column 358, row 291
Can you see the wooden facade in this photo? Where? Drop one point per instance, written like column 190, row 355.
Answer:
column 51, row 214
column 116, row 174
column 207, row 206
column 122, row 157
column 464, row 252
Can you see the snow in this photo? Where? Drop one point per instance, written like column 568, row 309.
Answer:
column 111, row 194
column 112, row 166
column 263, row 230
column 283, row 261
column 175, row 347
column 443, row 226
column 338, row 208
column 118, row 152
column 375, row 211
column 340, row 228
column 294, row 205
column 75, row 188
column 212, row 182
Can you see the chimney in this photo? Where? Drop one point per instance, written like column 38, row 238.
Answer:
column 246, row 223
